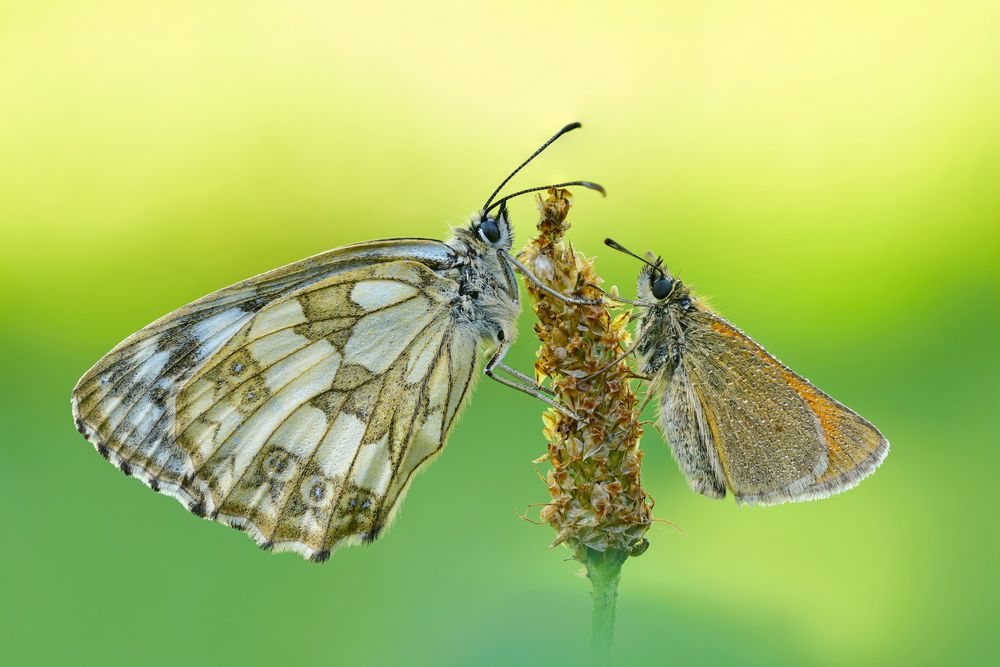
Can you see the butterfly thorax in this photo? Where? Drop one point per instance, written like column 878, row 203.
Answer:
column 666, row 326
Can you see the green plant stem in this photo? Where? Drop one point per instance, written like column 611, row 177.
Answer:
column 604, row 569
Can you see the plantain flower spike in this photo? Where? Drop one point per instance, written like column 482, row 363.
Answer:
column 598, row 507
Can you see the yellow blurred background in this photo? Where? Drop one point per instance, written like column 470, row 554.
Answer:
column 826, row 172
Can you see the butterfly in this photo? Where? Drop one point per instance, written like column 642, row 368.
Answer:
column 298, row 405
column 737, row 418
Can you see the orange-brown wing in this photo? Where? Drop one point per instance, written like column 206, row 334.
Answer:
column 777, row 437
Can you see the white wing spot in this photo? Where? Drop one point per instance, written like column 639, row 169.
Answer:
column 375, row 294
column 373, row 469
column 378, row 339
column 336, row 451
column 301, row 432
column 280, row 316
column 424, row 351
column 151, row 368
column 211, row 325
column 271, row 349
column 289, row 367
column 252, row 433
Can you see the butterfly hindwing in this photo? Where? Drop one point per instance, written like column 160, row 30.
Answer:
column 683, row 422
column 301, row 421
column 307, row 426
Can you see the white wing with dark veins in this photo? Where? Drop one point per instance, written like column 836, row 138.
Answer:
column 297, row 405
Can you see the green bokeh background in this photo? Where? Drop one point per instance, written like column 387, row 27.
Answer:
column 826, row 172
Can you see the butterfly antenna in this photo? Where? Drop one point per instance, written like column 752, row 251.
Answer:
column 568, row 128
column 586, row 184
column 611, row 243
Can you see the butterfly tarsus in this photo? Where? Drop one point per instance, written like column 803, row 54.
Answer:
column 625, row 355
column 524, row 378
column 527, row 518
column 671, row 524
column 531, row 389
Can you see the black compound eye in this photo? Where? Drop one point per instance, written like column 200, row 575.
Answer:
column 661, row 287
column 490, row 230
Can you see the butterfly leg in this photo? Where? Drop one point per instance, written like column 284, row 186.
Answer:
column 526, row 272
column 524, row 378
column 623, row 357
column 530, row 388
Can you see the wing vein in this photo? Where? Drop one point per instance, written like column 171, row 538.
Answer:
column 417, row 411
column 163, row 373
column 256, row 408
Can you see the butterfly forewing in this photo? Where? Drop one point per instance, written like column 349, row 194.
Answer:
column 854, row 446
column 774, row 436
column 303, row 420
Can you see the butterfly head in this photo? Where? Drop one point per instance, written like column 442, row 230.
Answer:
column 656, row 286
column 489, row 236
column 493, row 229
column 491, row 225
